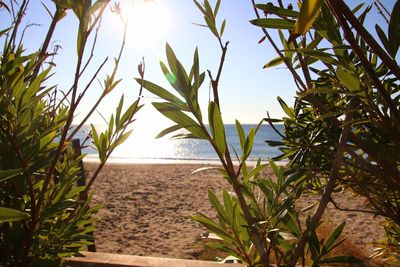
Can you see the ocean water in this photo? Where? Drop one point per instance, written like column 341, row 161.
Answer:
column 142, row 147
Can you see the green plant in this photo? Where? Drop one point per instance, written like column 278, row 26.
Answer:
column 258, row 222
column 43, row 214
column 343, row 130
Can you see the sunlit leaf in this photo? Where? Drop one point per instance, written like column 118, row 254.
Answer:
column 274, row 62
column 348, row 79
column 309, row 11
column 168, row 130
column 183, row 120
column 217, row 127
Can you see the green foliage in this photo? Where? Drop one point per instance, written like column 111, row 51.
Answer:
column 257, row 222
column 44, row 214
column 352, row 83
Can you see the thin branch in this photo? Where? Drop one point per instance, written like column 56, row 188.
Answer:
column 339, row 10
column 56, row 18
column 81, row 95
column 345, row 209
column 381, row 13
column 295, row 75
column 326, row 197
column 339, row 5
column 383, row 7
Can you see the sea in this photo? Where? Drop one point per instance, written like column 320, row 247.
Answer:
column 143, row 147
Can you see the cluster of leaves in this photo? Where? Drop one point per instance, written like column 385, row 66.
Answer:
column 344, row 124
column 258, row 222
column 44, row 214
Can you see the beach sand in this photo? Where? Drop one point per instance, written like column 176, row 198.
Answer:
column 147, row 210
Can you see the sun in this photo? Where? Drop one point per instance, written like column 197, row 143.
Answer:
column 148, row 21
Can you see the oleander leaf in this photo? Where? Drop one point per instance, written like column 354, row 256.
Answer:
column 12, row 215
column 273, row 23
column 309, row 11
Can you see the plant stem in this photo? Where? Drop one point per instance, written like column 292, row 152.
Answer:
column 326, row 197
column 49, row 35
column 340, row 12
column 340, row 6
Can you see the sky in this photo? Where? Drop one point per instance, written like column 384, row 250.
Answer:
column 247, row 91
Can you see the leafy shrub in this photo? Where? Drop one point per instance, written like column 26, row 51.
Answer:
column 44, row 215
column 342, row 132
column 258, row 222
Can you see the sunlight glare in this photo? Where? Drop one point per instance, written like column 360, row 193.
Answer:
column 148, row 22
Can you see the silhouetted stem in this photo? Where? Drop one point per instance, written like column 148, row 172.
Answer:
column 326, row 197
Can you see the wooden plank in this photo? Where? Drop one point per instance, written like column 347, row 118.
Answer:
column 97, row 259
column 76, row 145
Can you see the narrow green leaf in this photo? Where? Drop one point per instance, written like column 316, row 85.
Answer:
column 163, row 93
column 216, row 9
column 248, row 145
column 394, row 29
column 273, row 23
column 241, row 134
column 168, row 130
column 221, row 31
column 95, row 135
column 7, row 174
column 271, row 9
column 12, row 215
column 256, row 170
column 341, row 260
column 183, row 120
column 122, row 138
column 119, row 109
column 111, row 125
column 274, row 62
column 217, row 127
column 348, row 79
column 286, row 109
column 200, row 7
column 309, row 11
column 212, row 226
column 329, row 244
column 383, row 38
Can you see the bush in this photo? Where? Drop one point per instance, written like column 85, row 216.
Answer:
column 342, row 133
column 44, row 215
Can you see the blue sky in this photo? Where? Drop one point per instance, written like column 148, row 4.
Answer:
column 247, row 91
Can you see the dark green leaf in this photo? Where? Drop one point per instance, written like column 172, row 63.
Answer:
column 329, row 244
column 383, row 38
column 7, row 174
column 271, row 9
column 394, row 29
column 273, row 23
column 341, row 260
column 12, row 215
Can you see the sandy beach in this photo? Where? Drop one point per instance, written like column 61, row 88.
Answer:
column 147, row 210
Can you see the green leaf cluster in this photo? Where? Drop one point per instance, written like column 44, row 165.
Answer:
column 350, row 81
column 44, row 215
